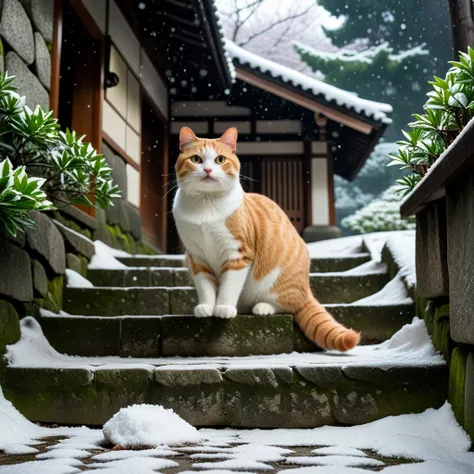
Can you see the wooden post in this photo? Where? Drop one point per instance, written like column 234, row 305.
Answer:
column 462, row 25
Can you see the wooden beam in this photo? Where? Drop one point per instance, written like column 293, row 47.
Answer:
column 120, row 151
column 56, row 57
column 307, row 185
column 297, row 98
column 462, row 25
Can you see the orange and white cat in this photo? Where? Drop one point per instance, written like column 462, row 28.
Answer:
column 242, row 250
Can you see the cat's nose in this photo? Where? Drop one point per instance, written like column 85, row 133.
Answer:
column 208, row 170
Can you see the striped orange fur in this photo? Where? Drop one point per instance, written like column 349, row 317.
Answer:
column 255, row 235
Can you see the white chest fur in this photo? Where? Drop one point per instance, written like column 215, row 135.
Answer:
column 201, row 223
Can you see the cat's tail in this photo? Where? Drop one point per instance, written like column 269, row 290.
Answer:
column 321, row 328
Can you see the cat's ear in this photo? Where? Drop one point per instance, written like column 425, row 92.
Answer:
column 229, row 138
column 186, row 138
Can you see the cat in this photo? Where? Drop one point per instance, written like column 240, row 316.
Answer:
column 243, row 252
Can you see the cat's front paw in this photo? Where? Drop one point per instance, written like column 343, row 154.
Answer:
column 203, row 310
column 225, row 311
column 263, row 309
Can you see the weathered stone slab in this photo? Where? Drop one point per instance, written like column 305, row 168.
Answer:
column 124, row 219
column 469, row 397
column 74, row 263
column 140, row 337
column 153, row 261
column 9, row 326
column 346, row 288
column 102, row 233
column 46, row 394
column 46, row 240
column 183, row 300
column 329, row 264
column 16, row 280
column 28, row 84
column 132, row 277
column 76, row 242
column 83, row 336
column 273, row 377
column 116, row 302
column 135, row 221
column 457, row 382
column 16, row 30
column 243, row 335
column 42, row 61
column 42, row 14
column 183, row 377
column 431, row 251
column 40, row 280
column 460, row 235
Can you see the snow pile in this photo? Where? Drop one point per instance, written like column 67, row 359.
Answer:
column 104, row 257
column 17, row 431
column 402, row 247
column 148, row 425
column 377, row 110
column 341, row 247
column 76, row 280
column 393, row 293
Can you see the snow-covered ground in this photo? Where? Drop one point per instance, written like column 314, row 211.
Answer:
column 428, row 443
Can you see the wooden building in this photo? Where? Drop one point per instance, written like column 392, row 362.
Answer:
column 130, row 73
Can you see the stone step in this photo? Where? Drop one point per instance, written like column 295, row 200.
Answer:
column 167, row 261
column 327, row 264
column 141, row 301
column 284, row 394
column 140, row 276
column 185, row 336
column 329, row 288
column 338, row 264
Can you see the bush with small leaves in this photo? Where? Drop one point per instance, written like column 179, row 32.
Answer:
column 448, row 110
column 71, row 171
column 18, row 195
column 383, row 214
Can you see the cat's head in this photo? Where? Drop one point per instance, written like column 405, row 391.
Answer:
column 207, row 166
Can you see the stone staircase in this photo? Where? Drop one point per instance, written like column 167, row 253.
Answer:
column 140, row 345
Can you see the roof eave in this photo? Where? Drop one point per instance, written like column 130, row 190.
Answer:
column 208, row 13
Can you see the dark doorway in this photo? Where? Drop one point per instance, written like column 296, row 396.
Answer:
column 154, row 177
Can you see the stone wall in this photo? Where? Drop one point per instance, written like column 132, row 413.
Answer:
column 445, row 272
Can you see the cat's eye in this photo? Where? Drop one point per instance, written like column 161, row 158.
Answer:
column 196, row 159
column 220, row 160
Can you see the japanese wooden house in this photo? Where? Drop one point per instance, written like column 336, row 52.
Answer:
column 130, row 73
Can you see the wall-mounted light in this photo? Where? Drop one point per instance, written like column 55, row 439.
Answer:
column 110, row 78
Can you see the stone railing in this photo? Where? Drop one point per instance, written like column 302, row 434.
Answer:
column 443, row 203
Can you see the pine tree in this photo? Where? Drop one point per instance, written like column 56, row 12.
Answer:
column 389, row 50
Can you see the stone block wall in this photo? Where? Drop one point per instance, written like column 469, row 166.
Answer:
column 445, row 297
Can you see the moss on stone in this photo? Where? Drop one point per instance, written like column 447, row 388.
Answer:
column 442, row 312
column 72, row 225
column 2, row 49
column 121, row 240
column 54, row 299
column 441, row 338
column 457, row 382
column 425, row 309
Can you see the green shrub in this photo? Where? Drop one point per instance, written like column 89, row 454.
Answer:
column 67, row 169
column 18, row 195
column 380, row 215
column 448, row 110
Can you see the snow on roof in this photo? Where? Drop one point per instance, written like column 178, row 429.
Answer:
column 375, row 110
column 220, row 29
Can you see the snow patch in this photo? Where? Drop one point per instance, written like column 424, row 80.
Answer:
column 148, row 425
column 334, row 460
column 402, row 248
column 76, row 280
column 104, row 257
column 393, row 293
